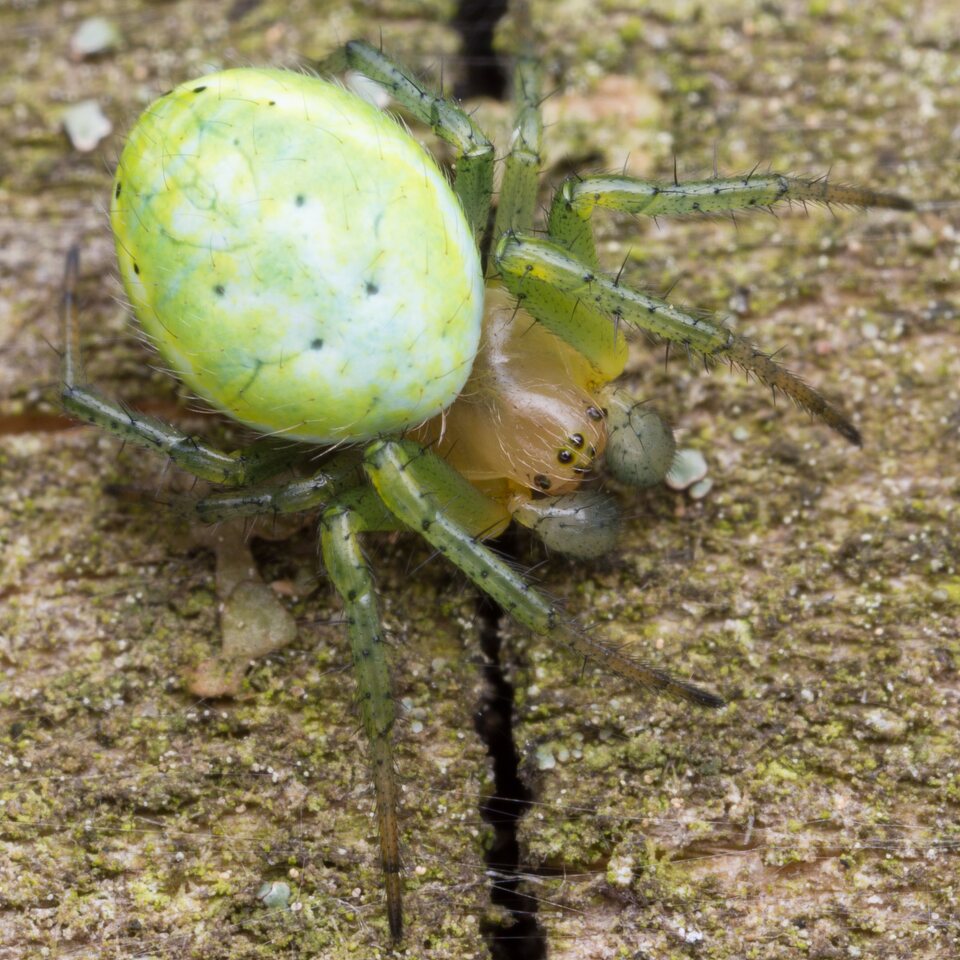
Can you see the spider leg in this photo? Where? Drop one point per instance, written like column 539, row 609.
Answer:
column 418, row 487
column 517, row 202
column 576, row 319
column 473, row 182
column 544, row 275
column 278, row 497
column 575, row 201
column 340, row 527
column 585, row 329
column 192, row 454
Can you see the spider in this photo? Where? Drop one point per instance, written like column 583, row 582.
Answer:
column 412, row 362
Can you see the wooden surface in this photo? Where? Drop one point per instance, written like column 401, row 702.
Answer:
column 815, row 585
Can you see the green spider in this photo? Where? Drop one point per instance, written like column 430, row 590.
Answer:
column 305, row 267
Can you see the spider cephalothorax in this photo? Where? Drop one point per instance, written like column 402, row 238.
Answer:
column 306, row 268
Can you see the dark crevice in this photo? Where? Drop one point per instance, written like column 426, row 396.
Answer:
column 520, row 936
column 483, row 73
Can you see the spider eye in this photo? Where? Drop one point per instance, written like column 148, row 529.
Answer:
column 565, row 456
column 595, row 413
column 542, row 481
column 577, row 440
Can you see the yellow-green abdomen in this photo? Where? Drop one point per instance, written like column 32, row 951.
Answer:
column 296, row 256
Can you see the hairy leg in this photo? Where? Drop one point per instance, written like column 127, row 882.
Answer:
column 276, row 497
column 418, row 488
column 574, row 203
column 340, row 527
column 517, row 202
column 473, row 181
column 546, row 277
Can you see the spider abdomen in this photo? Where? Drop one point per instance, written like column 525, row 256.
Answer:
column 296, row 256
